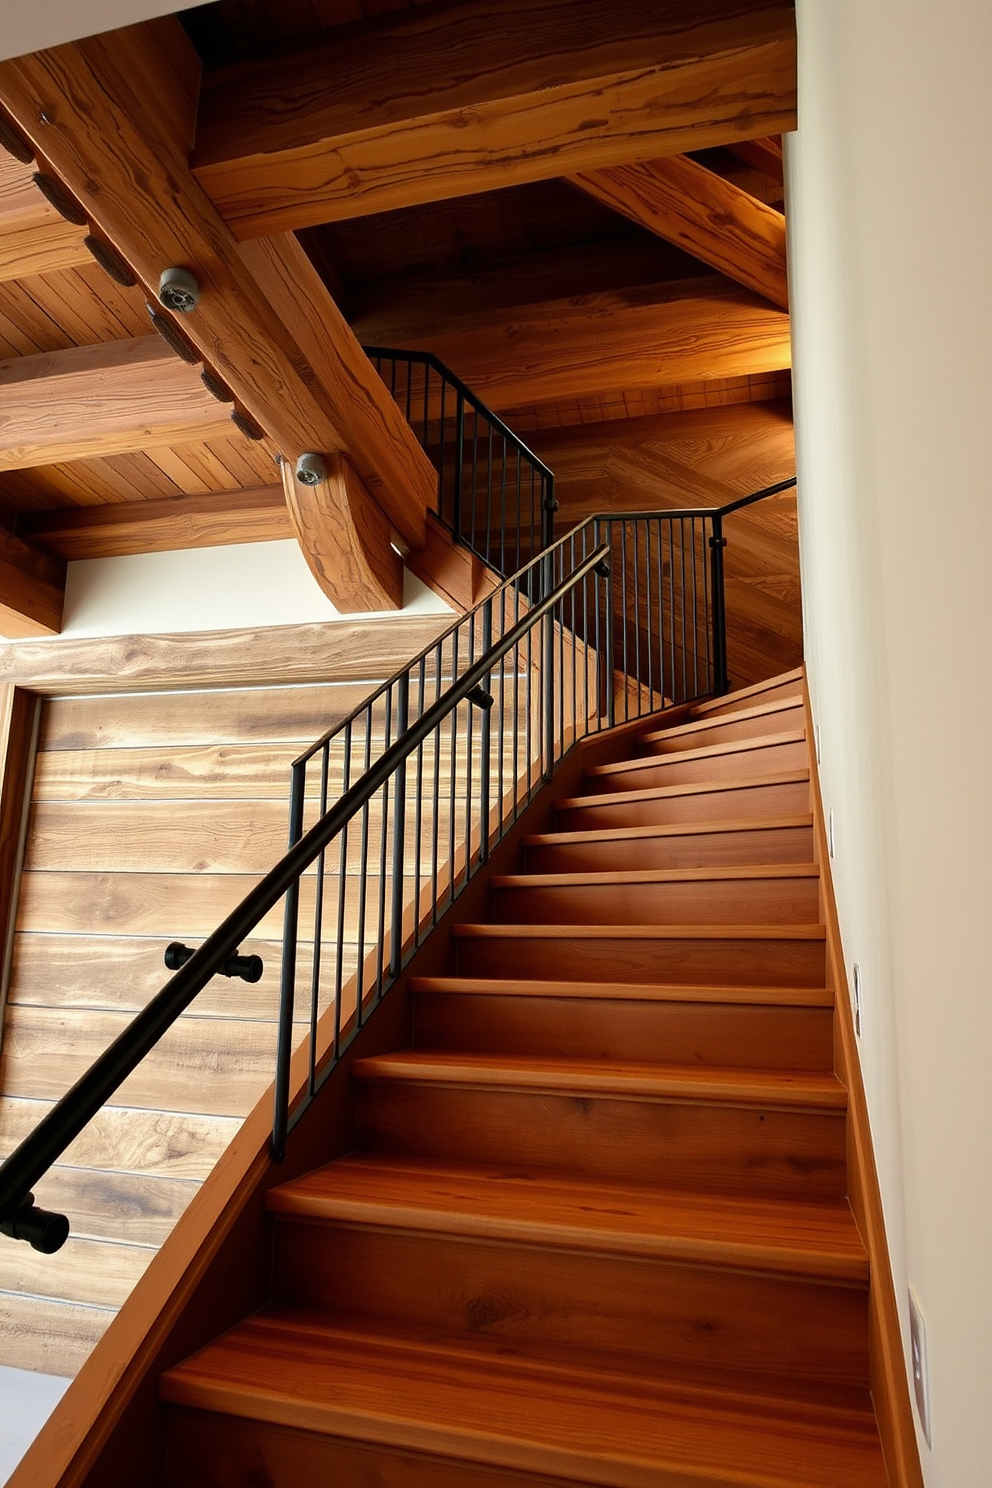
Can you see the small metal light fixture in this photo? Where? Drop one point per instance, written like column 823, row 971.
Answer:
column 179, row 290
column 311, row 470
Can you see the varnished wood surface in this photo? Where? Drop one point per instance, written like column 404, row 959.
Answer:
column 346, row 649
column 100, row 400
column 700, row 801
column 516, row 94
column 345, row 538
column 18, row 721
column 34, row 239
column 203, row 521
column 614, row 340
column 782, row 713
column 699, row 211
column 52, row 1337
column 782, row 840
column 308, row 389
column 624, row 1433
column 158, row 1144
column 32, row 589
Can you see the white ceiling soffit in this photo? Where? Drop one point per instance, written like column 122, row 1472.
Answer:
column 31, row 27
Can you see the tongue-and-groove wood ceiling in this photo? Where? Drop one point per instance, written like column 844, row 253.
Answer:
column 576, row 203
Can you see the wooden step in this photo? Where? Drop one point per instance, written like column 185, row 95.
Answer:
column 787, row 685
column 693, row 1282
column 778, row 716
column 766, row 754
column 463, row 1402
column 780, row 1028
column 747, row 797
column 777, row 894
column 787, row 839
column 778, row 1133
column 779, row 955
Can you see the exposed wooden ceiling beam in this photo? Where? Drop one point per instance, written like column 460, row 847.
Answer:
column 646, row 337
column 345, row 539
column 102, row 400
column 34, row 239
column 177, row 522
column 688, row 205
column 447, row 100
column 112, row 115
column 32, row 589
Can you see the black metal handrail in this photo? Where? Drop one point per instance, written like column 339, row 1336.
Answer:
column 621, row 616
column 494, row 494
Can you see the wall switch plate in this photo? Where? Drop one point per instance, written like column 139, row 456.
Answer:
column 856, row 979
column 830, row 831
column 921, row 1376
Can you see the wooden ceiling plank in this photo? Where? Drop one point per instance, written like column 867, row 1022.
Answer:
column 204, row 521
column 344, row 539
column 524, row 90
column 690, row 206
column 301, row 375
column 764, row 155
column 32, row 589
column 101, row 400
column 644, row 337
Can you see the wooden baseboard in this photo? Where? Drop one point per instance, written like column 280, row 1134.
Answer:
column 888, row 1377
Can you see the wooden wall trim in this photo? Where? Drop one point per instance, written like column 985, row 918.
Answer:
column 19, row 714
column 338, row 650
column 888, row 1377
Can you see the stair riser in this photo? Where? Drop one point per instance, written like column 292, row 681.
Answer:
column 553, row 1303
column 207, row 1450
column 720, row 805
column 691, row 850
column 724, row 1149
column 725, row 732
column 672, row 1033
column 709, row 962
column 784, row 691
column 762, row 901
column 671, row 770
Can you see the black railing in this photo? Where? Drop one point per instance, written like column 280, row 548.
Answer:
column 393, row 812
column 494, row 494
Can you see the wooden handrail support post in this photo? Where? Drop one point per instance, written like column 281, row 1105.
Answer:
column 887, row 1371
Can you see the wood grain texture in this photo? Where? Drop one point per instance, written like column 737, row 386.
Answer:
column 48, row 1336
column 699, row 211
column 100, row 400
column 203, row 521
column 644, row 337
column 32, row 589
column 345, row 649
column 305, row 401
column 174, row 1145
column 34, row 239
column 519, row 93
column 18, row 724
column 345, row 539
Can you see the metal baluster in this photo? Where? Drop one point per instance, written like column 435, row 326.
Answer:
column 342, row 892
column 418, row 829
column 721, row 681
column 318, row 920
column 363, row 881
column 291, row 919
column 399, row 832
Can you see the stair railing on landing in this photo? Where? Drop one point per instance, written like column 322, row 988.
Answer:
column 494, row 494
column 622, row 616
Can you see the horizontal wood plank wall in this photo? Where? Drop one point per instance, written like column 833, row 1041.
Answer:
column 152, row 814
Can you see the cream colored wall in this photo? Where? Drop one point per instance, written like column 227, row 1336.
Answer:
column 890, row 215
column 28, row 28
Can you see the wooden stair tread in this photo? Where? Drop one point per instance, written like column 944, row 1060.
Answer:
column 710, row 751
column 674, row 829
column 727, row 699
column 695, row 788
column 653, row 875
column 301, row 1370
column 621, row 1079
column 623, row 991
column 695, row 726
column 783, row 931
column 802, row 1239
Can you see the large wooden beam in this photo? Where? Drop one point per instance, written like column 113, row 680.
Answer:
column 32, row 589
column 112, row 116
column 701, row 212
column 447, row 100
column 165, row 526
column 102, row 400
column 614, row 341
column 344, row 539
column 34, row 239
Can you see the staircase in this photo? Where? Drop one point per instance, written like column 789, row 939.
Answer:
column 594, row 1231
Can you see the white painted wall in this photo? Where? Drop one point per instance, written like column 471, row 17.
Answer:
column 890, row 218
column 30, row 25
